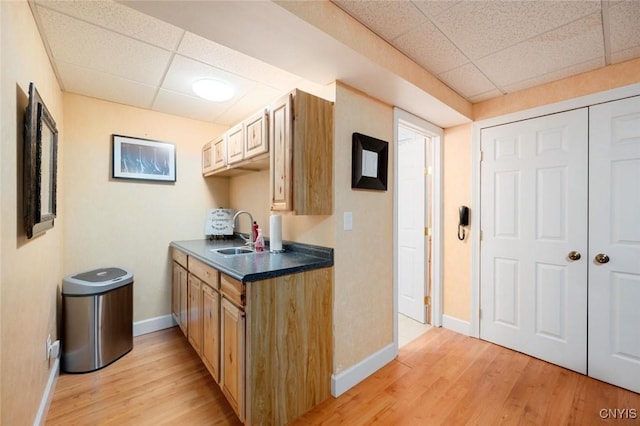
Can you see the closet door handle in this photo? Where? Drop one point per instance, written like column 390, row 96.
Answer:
column 601, row 258
column 574, row 255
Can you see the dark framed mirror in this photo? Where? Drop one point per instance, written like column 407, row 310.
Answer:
column 40, row 166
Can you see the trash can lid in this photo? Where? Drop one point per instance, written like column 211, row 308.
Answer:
column 96, row 281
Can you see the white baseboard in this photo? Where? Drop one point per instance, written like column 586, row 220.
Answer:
column 153, row 324
column 47, row 396
column 342, row 382
column 457, row 325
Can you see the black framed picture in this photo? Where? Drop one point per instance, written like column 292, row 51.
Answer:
column 143, row 159
column 40, row 166
column 369, row 160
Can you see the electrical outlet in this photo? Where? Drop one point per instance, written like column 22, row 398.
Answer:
column 48, row 347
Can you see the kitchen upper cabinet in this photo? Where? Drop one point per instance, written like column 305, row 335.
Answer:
column 195, row 313
column 235, row 144
column 207, row 158
column 301, row 133
column 233, row 355
column 219, row 149
column 256, row 135
column 211, row 331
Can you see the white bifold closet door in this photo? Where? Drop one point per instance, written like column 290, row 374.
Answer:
column 560, row 249
column 533, row 297
column 614, row 232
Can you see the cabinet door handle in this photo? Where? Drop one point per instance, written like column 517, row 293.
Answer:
column 602, row 258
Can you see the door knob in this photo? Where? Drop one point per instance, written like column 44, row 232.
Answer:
column 602, row 258
column 574, row 255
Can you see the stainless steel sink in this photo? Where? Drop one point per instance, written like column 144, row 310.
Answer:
column 232, row 251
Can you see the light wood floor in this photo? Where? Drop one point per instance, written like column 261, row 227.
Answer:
column 442, row 378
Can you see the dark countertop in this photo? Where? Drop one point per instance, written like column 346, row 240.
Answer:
column 258, row 266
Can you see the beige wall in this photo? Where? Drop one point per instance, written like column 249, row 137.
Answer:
column 31, row 269
column 457, row 192
column 251, row 192
column 363, row 282
column 114, row 222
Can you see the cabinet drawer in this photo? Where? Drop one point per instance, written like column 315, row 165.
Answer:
column 179, row 256
column 232, row 289
column 203, row 271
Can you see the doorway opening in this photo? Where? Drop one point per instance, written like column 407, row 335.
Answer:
column 417, row 236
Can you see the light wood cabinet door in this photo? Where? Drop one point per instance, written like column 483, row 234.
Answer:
column 195, row 313
column 235, row 144
column 256, row 135
column 232, row 355
column 175, row 292
column 179, row 296
column 280, row 171
column 301, row 130
column 211, row 330
column 207, row 158
column 219, row 149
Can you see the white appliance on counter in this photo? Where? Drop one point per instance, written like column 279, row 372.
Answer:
column 219, row 223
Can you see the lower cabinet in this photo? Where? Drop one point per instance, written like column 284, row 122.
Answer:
column 179, row 291
column 195, row 313
column 267, row 343
column 211, row 330
column 233, row 355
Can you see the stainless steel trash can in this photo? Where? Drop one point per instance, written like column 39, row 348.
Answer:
column 97, row 308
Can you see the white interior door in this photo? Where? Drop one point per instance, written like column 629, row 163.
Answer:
column 412, row 277
column 614, row 209
column 533, row 297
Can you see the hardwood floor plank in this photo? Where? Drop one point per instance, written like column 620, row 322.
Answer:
column 442, row 378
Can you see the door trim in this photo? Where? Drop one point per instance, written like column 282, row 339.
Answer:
column 422, row 126
column 580, row 102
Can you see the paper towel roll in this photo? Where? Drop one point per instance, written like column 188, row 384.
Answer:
column 275, row 230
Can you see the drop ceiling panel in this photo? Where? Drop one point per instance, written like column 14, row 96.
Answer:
column 480, row 28
column 555, row 50
column 258, row 98
column 183, row 72
column 486, row 95
column 388, row 19
column 624, row 27
column 121, row 19
column 187, row 106
column 427, row 46
column 432, row 8
column 222, row 57
column 625, row 55
column 556, row 75
column 467, row 80
column 84, row 81
column 77, row 42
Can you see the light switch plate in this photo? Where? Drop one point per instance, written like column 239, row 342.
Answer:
column 348, row 221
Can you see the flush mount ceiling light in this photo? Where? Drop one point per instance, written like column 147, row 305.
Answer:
column 213, row 90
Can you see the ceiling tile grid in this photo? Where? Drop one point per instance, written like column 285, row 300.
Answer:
column 109, row 51
column 116, row 17
column 480, row 28
column 77, row 42
column 116, row 89
column 483, row 49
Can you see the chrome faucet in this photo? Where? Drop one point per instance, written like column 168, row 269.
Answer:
column 249, row 241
